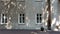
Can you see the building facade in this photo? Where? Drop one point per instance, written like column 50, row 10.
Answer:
column 21, row 14
column 27, row 14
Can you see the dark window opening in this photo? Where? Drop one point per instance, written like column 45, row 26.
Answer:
column 22, row 18
column 39, row 18
column 4, row 18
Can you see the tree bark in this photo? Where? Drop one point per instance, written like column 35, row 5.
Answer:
column 49, row 16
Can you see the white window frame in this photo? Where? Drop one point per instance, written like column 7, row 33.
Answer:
column 36, row 19
column 1, row 20
column 19, row 19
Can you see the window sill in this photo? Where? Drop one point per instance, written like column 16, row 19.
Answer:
column 21, row 23
column 3, row 23
column 38, row 23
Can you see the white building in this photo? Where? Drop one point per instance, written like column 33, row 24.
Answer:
column 27, row 14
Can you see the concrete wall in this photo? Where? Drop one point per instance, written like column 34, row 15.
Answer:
column 32, row 8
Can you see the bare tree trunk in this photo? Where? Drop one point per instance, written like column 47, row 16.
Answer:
column 49, row 16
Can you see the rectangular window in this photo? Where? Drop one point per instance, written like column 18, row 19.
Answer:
column 3, row 18
column 39, row 18
column 21, row 18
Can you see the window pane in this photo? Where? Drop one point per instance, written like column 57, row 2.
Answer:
column 4, row 18
column 22, row 18
column 39, row 18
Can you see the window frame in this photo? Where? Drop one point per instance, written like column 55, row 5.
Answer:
column 19, row 19
column 4, row 20
column 36, row 18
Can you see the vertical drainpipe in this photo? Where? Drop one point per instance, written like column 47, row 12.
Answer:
column 49, row 16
